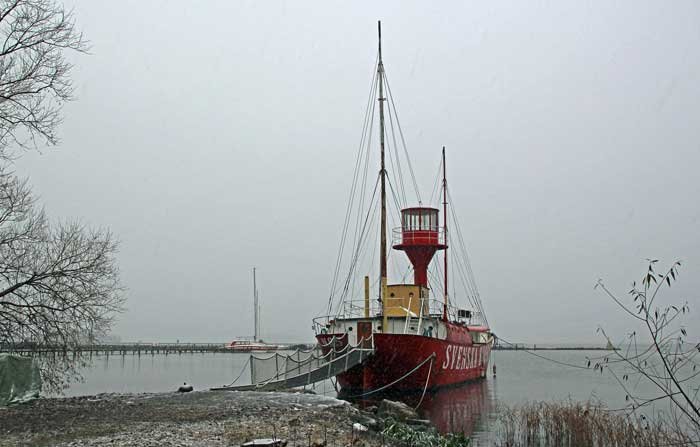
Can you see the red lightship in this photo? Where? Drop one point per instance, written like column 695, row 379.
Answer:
column 420, row 338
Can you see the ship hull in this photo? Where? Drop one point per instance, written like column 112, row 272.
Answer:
column 396, row 355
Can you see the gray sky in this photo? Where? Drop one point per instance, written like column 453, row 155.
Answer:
column 216, row 136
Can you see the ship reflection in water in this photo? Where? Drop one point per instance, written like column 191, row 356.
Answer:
column 461, row 409
column 467, row 408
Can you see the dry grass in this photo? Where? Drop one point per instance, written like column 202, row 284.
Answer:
column 575, row 424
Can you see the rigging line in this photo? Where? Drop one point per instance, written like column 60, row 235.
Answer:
column 470, row 272
column 472, row 281
column 437, row 271
column 365, row 171
column 393, row 194
column 464, row 281
column 454, row 286
column 462, row 245
column 396, row 152
column 403, row 140
column 458, row 262
column 399, row 171
column 403, row 277
column 394, row 213
column 364, row 249
column 375, row 234
column 361, row 251
column 436, row 184
column 470, row 298
column 366, row 122
column 435, row 279
column 391, row 163
column 453, row 302
column 364, row 152
column 371, row 235
column 395, row 220
column 363, row 194
column 357, row 253
column 354, row 184
column 357, row 248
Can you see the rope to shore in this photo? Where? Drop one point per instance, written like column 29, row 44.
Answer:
column 241, row 373
column 382, row 388
column 571, row 365
column 425, row 388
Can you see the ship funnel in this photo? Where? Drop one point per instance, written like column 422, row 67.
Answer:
column 420, row 237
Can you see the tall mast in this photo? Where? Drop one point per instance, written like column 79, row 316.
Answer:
column 382, row 174
column 444, row 218
column 256, row 315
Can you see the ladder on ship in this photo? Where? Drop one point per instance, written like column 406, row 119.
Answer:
column 308, row 371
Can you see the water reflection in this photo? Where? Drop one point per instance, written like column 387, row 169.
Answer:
column 460, row 409
column 467, row 408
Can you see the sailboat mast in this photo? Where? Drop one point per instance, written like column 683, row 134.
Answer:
column 444, row 217
column 256, row 317
column 382, row 174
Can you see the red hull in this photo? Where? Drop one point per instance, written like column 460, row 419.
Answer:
column 456, row 360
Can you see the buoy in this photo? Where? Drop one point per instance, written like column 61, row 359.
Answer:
column 494, row 370
column 185, row 388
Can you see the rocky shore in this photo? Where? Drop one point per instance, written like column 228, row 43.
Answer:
column 205, row 418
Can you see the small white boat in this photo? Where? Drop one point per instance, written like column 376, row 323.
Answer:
column 250, row 346
column 246, row 344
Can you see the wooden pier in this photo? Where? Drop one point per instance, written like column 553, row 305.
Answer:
column 133, row 348
column 203, row 348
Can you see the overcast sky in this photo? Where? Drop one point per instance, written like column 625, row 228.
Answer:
column 212, row 137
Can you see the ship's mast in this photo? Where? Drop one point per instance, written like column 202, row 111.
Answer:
column 444, row 217
column 382, row 174
column 256, row 314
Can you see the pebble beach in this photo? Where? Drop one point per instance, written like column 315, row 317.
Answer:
column 200, row 418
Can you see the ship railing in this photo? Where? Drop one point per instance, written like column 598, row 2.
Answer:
column 276, row 367
column 415, row 235
column 354, row 309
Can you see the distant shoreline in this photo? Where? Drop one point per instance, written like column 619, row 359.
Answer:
column 198, row 348
column 524, row 347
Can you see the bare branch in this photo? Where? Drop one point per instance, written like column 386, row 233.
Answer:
column 59, row 284
column 34, row 74
column 668, row 363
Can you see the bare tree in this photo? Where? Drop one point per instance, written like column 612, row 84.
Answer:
column 59, row 283
column 34, row 73
column 659, row 357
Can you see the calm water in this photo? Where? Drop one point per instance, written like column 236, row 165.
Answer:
column 470, row 408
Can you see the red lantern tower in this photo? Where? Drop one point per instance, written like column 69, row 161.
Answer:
column 420, row 236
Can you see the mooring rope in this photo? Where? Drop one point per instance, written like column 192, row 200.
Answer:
column 570, row 365
column 242, row 371
column 427, row 379
column 430, row 357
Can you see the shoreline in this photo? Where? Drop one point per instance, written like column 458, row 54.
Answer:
column 199, row 418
